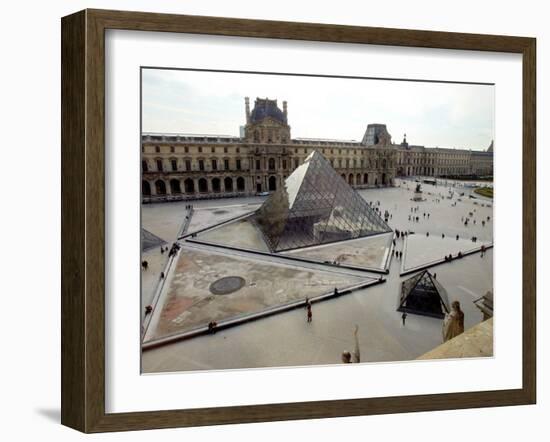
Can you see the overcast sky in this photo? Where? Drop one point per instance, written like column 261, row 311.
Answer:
column 431, row 114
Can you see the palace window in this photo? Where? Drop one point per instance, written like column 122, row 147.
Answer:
column 213, row 150
column 226, row 164
column 284, row 164
column 214, row 165
column 144, row 167
column 238, row 149
column 225, row 150
column 186, row 149
column 258, row 165
column 200, row 149
column 188, row 165
column 201, row 165
column 157, row 149
column 159, row 165
column 174, row 164
column 172, row 149
column 271, row 164
column 238, row 162
column 296, row 162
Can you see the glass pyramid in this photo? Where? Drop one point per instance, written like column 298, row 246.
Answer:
column 315, row 206
column 424, row 295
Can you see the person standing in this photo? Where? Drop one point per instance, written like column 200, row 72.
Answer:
column 355, row 356
column 309, row 313
column 403, row 318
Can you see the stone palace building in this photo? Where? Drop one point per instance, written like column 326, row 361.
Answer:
column 184, row 167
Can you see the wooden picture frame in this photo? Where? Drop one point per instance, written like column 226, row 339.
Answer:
column 83, row 220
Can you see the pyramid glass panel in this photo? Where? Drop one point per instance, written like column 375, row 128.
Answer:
column 424, row 295
column 315, row 206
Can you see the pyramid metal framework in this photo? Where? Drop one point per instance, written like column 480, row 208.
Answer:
column 315, row 206
column 424, row 295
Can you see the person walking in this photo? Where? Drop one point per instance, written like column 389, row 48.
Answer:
column 403, row 318
column 309, row 313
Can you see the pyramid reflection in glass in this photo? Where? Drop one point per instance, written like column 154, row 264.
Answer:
column 315, row 206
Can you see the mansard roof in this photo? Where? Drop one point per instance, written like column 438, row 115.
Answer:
column 263, row 108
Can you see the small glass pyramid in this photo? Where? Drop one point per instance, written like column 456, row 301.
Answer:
column 315, row 206
column 424, row 295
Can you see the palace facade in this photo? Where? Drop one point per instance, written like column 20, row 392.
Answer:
column 185, row 167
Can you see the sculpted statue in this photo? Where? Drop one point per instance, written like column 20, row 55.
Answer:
column 453, row 324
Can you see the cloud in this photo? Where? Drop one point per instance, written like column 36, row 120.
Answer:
column 432, row 114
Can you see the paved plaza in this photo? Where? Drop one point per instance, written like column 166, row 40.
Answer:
column 186, row 300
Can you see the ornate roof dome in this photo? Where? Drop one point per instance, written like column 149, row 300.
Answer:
column 263, row 108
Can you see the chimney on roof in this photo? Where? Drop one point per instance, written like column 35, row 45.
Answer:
column 285, row 109
column 247, row 109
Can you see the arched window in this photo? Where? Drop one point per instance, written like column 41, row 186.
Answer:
column 228, row 183
column 175, row 186
column 240, row 184
column 203, row 185
column 365, row 178
column 189, row 185
column 216, row 185
column 160, row 187
column 272, row 182
column 145, row 188
column 350, row 179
